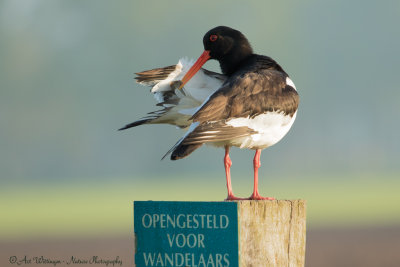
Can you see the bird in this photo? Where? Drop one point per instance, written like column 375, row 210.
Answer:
column 254, row 107
column 177, row 105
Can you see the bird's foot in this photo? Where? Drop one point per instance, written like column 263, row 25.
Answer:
column 256, row 196
column 232, row 198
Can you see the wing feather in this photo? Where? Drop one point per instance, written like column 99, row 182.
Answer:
column 215, row 132
column 250, row 94
column 154, row 76
column 177, row 106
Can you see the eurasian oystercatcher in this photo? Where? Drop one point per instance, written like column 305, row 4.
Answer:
column 177, row 105
column 254, row 107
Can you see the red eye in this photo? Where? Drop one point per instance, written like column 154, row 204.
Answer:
column 213, row 37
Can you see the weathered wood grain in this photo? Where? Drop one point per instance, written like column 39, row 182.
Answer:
column 272, row 233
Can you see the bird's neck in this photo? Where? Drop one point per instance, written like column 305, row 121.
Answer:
column 232, row 62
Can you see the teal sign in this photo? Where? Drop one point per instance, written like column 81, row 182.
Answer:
column 196, row 234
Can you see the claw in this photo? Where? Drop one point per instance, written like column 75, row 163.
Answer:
column 232, row 198
column 258, row 197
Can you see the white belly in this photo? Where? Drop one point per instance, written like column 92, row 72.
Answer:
column 271, row 128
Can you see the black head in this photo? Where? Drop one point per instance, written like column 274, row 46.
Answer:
column 224, row 44
column 228, row 46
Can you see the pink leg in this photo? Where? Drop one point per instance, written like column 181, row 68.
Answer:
column 228, row 164
column 257, row 164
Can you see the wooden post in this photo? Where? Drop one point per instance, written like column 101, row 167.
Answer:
column 268, row 233
column 272, row 233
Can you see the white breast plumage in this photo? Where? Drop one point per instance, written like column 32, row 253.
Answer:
column 271, row 127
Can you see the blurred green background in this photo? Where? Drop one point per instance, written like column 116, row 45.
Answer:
column 66, row 86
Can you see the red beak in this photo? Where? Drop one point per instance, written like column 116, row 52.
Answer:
column 195, row 68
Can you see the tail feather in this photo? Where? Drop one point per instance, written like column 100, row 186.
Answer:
column 183, row 151
column 180, row 150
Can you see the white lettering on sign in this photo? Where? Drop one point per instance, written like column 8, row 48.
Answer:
column 185, row 221
column 191, row 240
column 181, row 222
column 162, row 220
column 186, row 259
column 146, row 218
column 148, row 259
column 184, row 240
